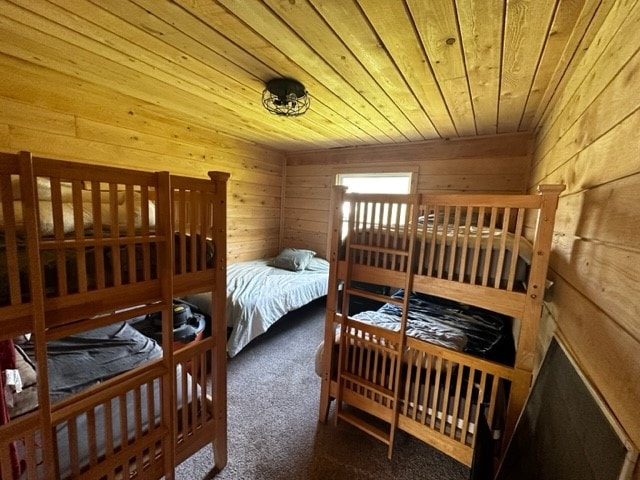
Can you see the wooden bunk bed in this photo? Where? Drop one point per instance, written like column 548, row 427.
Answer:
column 84, row 249
column 465, row 257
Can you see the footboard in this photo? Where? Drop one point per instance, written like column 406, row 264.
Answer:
column 444, row 393
column 93, row 428
column 441, row 392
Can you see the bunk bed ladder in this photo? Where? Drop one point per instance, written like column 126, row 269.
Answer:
column 360, row 343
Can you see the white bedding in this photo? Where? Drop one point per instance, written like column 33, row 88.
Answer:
column 258, row 295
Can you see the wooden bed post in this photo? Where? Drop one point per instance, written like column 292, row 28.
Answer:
column 164, row 228
column 533, row 305
column 335, row 229
column 517, row 397
column 219, row 383
column 538, row 276
column 29, row 212
column 411, row 220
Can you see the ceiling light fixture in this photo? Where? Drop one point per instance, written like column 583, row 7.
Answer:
column 285, row 97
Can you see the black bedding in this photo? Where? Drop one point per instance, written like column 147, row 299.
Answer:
column 451, row 324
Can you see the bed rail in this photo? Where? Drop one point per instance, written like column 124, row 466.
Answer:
column 19, row 442
column 462, row 242
column 197, row 207
column 120, row 414
column 103, row 232
column 444, row 393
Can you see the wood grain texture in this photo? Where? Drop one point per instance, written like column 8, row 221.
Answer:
column 589, row 141
column 526, row 31
column 254, row 195
column 176, row 85
column 483, row 164
column 377, row 72
column 592, row 75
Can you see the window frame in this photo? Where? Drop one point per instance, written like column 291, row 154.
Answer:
column 380, row 171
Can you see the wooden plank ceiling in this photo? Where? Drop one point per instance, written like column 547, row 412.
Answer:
column 378, row 72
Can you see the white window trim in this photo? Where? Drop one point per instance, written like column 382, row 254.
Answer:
column 381, row 170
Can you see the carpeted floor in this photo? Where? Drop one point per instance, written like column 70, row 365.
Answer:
column 274, row 432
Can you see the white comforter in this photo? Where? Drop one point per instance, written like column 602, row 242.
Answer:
column 258, row 295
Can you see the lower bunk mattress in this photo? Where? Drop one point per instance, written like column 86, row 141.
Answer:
column 132, row 414
column 453, row 325
column 84, row 359
column 456, row 364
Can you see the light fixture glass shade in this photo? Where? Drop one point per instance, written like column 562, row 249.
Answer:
column 285, row 97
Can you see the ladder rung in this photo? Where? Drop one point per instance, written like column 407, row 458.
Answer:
column 374, row 296
column 374, row 388
column 372, row 430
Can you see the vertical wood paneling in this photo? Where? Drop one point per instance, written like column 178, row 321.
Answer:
column 481, row 27
column 526, row 27
column 589, row 141
column 486, row 164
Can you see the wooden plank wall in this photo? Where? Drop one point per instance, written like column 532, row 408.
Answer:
column 484, row 164
column 81, row 123
column 589, row 140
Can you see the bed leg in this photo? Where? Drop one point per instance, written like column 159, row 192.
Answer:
column 519, row 391
column 219, row 455
column 325, row 402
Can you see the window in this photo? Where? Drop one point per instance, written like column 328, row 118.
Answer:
column 395, row 182
column 375, row 182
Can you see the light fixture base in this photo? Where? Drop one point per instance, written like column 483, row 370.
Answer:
column 285, row 97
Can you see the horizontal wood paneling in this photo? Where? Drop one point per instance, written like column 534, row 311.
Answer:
column 24, row 115
column 487, row 182
column 489, row 146
column 589, row 215
column 603, row 272
column 496, row 163
column 4, row 137
column 176, row 85
column 85, row 133
column 589, row 141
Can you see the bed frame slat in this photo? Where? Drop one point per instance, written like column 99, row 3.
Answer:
column 82, row 246
column 467, row 248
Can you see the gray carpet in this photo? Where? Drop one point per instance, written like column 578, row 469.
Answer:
column 274, row 433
